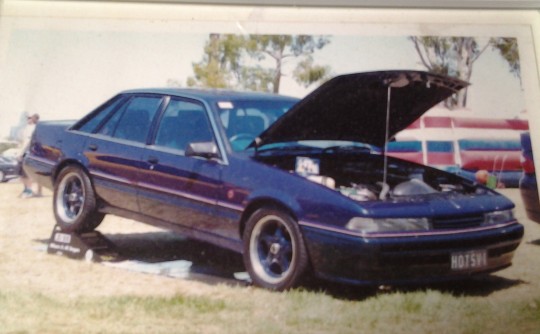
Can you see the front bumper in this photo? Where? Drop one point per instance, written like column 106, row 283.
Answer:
column 407, row 258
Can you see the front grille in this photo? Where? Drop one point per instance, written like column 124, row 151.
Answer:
column 457, row 222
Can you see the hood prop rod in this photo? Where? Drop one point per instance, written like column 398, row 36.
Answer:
column 385, row 188
column 398, row 82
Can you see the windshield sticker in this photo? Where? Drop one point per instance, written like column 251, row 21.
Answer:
column 307, row 166
column 225, row 105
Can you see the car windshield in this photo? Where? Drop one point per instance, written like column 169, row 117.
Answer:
column 245, row 120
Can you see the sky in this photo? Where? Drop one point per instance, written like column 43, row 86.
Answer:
column 64, row 73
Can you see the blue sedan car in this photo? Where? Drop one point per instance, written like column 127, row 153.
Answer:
column 299, row 187
column 9, row 168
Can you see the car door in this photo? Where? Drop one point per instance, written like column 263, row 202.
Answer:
column 175, row 187
column 115, row 151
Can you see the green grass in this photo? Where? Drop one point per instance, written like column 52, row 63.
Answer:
column 247, row 310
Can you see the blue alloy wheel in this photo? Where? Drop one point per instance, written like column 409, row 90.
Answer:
column 75, row 206
column 274, row 251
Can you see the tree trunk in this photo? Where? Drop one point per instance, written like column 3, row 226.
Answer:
column 277, row 76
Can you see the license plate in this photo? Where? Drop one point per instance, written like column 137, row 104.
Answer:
column 474, row 259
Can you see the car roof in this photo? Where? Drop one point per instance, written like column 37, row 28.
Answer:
column 212, row 94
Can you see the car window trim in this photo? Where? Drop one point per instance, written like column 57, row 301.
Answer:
column 222, row 159
column 128, row 98
column 156, row 122
column 111, row 139
column 117, row 98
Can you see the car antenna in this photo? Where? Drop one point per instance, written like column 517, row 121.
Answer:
column 399, row 82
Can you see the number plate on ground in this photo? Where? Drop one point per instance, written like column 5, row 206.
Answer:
column 474, row 259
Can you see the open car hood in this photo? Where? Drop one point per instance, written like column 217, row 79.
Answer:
column 353, row 107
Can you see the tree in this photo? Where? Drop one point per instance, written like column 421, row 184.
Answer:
column 508, row 49
column 452, row 56
column 281, row 47
column 307, row 73
column 257, row 78
column 455, row 56
column 232, row 61
column 220, row 65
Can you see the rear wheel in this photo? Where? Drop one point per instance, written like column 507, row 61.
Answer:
column 274, row 252
column 74, row 201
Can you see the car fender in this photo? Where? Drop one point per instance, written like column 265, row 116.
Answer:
column 311, row 202
column 273, row 196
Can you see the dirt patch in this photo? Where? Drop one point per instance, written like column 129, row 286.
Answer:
column 26, row 224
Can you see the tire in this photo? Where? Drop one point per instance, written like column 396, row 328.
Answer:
column 74, row 202
column 275, row 255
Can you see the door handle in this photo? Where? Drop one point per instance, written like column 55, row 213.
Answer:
column 153, row 160
column 92, row 147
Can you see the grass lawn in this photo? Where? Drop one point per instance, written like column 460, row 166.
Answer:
column 41, row 293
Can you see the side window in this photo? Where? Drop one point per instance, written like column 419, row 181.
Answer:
column 183, row 122
column 133, row 120
column 94, row 120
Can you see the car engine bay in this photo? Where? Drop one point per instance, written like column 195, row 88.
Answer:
column 361, row 176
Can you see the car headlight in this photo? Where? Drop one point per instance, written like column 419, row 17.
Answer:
column 498, row 217
column 373, row 225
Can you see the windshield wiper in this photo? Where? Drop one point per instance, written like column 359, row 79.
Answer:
column 287, row 147
column 348, row 149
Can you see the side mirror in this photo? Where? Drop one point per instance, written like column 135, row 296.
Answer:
column 207, row 150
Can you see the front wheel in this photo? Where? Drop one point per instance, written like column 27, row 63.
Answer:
column 274, row 252
column 74, row 201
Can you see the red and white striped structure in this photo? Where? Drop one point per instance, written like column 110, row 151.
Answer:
column 458, row 139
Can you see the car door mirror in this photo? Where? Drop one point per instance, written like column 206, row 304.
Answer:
column 207, row 150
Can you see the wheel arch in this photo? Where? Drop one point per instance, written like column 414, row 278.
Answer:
column 74, row 163
column 66, row 163
column 261, row 202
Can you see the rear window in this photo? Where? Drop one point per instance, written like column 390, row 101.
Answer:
column 91, row 122
column 132, row 121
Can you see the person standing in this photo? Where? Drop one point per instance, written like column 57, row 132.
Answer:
column 28, row 131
